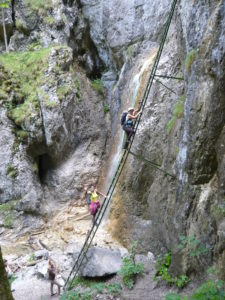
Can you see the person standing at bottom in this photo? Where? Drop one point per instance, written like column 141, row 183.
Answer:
column 52, row 277
column 95, row 204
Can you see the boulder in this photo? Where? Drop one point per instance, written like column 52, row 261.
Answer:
column 101, row 262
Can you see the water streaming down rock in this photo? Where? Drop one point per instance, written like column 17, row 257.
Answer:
column 139, row 74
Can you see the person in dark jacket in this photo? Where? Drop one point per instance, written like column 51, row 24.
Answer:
column 128, row 126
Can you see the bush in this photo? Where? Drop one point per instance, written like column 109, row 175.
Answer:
column 162, row 272
column 193, row 244
column 130, row 269
column 210, row 290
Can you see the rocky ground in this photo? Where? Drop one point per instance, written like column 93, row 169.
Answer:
column 61, row 239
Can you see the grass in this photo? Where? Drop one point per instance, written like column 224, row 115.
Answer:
column 39, row 6
column 28, row 68
column 6, row 207
column 50, row 20
column 6, row 210
column 63, row 91
column 106, row 108
column 93, row 287
column 98, row 86
column 11, row 171
column 189, row 60
column 8, row 220
column 178, row 112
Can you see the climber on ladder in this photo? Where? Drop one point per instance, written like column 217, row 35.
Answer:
column 94, row 204
column 127, row 122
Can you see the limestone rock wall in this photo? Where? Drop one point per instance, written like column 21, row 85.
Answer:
column 63, row 142
column 156, row 209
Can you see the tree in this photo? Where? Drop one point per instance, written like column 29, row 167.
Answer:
column 4, row 4
column 5, row 291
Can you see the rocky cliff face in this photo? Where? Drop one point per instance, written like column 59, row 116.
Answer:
column 54, row 125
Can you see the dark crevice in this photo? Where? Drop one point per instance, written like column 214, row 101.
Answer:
column 13, row 13
column 45, row 164
column 89, row 58
column 70, row 2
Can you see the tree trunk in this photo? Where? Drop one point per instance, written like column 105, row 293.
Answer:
column 4, row 30
column 5, row 291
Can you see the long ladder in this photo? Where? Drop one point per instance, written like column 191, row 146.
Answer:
column 82, row 255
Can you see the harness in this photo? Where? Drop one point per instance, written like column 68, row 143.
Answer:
column 129, row 122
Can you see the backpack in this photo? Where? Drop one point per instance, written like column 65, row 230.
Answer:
column 123, row 118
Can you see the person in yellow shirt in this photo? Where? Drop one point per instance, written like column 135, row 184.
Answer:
column 95, row 204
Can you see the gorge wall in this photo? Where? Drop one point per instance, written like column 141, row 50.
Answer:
column 57, row 131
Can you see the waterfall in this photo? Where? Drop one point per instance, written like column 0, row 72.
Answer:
column 136, row 87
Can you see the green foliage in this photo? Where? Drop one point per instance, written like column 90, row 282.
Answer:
column 193, row 244
column 63, row 91
column 6, row 210
column 39, row 6
column 190, row 59
column 4, row 3
column 12, row 279
column 28, row 69
column 22, row 135
column 76, row 295
column 178, row 112
column 106, row 108
column 170, row 124
column 11, row 171
column 50, row 20
column 96, row 286
column 218, row 211
column 162, row 272
column 98, row 86
column 6, row 207
column 31, row 258
column 114, row 288
column 35, row 167
column 8, row 220
column 130, row 51
column 130, row 269
column 210, row 290
column 172, row 296
column 34, row 46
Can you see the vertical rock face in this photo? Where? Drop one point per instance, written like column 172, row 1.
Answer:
column 54, row 135
column 156, row 209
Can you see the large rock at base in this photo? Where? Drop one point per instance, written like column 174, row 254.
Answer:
column 101, row 262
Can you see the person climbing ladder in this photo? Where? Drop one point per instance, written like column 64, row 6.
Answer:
column 95, row 204
column 127, row 122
